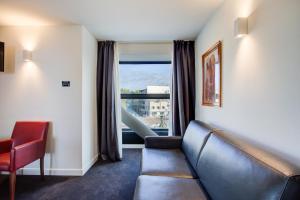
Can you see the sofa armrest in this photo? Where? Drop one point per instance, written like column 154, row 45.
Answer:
column 163, row 142
column 5, row 145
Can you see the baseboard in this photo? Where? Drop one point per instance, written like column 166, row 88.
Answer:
column 90, row 164
column 59, row 172
column 133, row 146
column 51, row 172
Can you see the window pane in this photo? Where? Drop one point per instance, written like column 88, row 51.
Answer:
column 140, row 78
column 154, row 113
column 147, row 111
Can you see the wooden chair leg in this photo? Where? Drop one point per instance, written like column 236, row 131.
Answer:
column 12, row 185
column 42, row 168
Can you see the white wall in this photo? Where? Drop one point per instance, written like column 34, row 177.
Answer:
column 34, row 92
column 261, row 71
column 89, row 104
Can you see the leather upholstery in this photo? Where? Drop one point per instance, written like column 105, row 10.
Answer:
column 168, row 188
column 163, row 142
column 29, row 131
column 166, row 162
column 28, row 152
column 227, row 172
column 278, row 163
column 194, row 139
column 4, row 161
column 172, row 161
column 5, row 145
column 27, row 144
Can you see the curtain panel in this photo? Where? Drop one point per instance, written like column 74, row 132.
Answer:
column 107, row 114
column 183, row 86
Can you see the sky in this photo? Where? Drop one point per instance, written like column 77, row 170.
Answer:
column 138, row 77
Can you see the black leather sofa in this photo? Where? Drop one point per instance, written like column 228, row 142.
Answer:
column 205, row 165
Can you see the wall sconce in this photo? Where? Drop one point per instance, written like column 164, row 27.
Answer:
column 27, row 55
column 241, row 27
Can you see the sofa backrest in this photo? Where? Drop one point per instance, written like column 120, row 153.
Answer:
column 227, row 172
column 194, row 139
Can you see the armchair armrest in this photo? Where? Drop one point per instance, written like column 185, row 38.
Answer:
column 5, row 145
column 163, row 142
column 27, row 153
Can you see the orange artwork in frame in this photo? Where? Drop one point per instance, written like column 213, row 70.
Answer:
column 212, row 76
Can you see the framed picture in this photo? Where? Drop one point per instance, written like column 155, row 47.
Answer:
column 1, row 56
column 212, row 76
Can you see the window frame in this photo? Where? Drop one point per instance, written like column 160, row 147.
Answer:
column 166, row 62
column 145, row 96
column 160, row 131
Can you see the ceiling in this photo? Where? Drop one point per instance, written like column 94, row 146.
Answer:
column 121, row 20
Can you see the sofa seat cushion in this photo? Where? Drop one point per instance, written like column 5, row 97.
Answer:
column 166, row 162
column 168, row 188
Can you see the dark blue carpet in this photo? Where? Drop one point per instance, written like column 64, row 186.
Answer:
column 104, row 181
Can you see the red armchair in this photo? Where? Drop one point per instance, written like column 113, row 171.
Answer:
column 27, row 144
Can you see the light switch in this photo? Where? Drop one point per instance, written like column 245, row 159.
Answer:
column 65, row 83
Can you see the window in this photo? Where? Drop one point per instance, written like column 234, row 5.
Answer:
column 145, row 89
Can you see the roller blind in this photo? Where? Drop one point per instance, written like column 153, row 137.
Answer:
column 145, row 51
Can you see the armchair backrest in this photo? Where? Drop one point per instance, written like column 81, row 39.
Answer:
column 26, row 131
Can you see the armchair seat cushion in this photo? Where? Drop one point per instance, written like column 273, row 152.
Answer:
column 168, row 188
column 166, row 162
column 4, row 161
